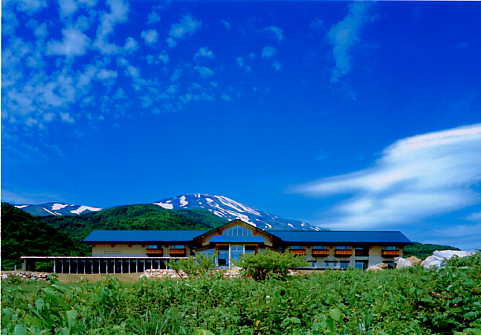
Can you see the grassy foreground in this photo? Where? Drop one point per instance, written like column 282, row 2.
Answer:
column 404, row 301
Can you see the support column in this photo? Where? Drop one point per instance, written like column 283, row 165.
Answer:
column 54, row 264
column 121, row 266
column 24, row 265
column 130, row 261
column 115, row 264
column 69, row 265
column 61, row 265
column 136, row 265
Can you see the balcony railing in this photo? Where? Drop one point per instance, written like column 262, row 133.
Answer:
column 343, row 252
column 320, row 252
column 177, row 251
column 300, row 252
column 390, row 253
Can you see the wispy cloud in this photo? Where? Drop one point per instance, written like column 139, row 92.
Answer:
column 276, row 32
column 74, row 43
column 118, row 13
column 268, row 52
column 187, row 26
column 415, row 178
column 205, row 53
column 149, row 36
column 344, row 35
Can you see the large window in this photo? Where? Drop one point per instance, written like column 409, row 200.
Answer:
column 330, row 264
column 237, row 231
column 362, row 251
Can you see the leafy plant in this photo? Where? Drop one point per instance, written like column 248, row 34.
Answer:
column 269, row 263
column 196, row 266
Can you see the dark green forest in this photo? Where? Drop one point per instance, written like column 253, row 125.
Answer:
column 421, row 250
column 24, row 234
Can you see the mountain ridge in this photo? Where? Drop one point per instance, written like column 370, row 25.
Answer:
column 219, row 205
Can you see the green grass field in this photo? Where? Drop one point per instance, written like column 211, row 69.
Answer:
column 404, row 301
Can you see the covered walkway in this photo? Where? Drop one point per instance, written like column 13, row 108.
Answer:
column 91, row 265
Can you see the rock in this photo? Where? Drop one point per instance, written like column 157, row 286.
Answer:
column 377, row 267
column 414, row 260
column 402, row 262
column 439, row 258
column 24, row 275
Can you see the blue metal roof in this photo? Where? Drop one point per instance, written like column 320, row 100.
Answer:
column 285, row 236
column 342, row 236
column 237, row 239
column 143, row 235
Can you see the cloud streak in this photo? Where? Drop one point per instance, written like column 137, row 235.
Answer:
column 415, row 178
column 344, row 35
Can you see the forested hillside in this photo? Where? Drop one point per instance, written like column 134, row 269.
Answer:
column 134, row 217
column 421, row 250
column 24, row 234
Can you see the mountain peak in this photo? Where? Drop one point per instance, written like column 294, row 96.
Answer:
column 230, row 209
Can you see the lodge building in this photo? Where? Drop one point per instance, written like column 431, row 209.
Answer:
column 118, row 251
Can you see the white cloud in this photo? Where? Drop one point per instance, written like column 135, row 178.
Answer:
column 474, row 216
column 30, row 6
column 344, row 35
column 276, row 32
column 204, row 71
column 415, row 178
column 150, row 36
column 67, row 7
column 268, row 52
column 106, row 74
column 186, row 27
column 226, row 24
column 74, row 43
column 154, row 17
column 131, row 44
column 119, row 10
column 164, row 57
column 316, row 24
column 204, row 52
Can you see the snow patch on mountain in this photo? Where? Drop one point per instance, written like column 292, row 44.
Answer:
column 82, row 209
column 230, row 209
column 57, row 208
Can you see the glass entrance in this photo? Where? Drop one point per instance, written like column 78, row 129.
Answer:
column 228, row 255
column 236, row 252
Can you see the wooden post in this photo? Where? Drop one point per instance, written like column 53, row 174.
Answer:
column 54, row 263
column 136, row 265
column 69, row 265
column 61, row 265
column 24, row 264
column 115, row 263
column 129, row 264
column 121, row 266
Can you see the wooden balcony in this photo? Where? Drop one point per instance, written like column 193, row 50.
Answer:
column 343, row 253
column 157, row 252
column 299, row 252
column 320, row 252
column 390, row 253
column 177, row 252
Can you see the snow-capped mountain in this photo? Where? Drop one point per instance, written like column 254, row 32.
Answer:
column 229, row 209
column 56, row 208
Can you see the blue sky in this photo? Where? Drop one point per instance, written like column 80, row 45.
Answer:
column 362, row 115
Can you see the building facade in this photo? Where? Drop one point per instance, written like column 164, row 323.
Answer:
column 322, row 249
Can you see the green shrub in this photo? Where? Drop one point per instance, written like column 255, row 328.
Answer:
column 196, row 266
column 269, row 263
